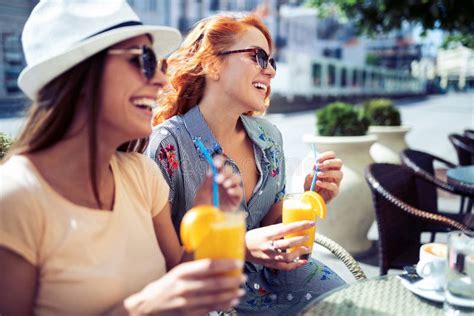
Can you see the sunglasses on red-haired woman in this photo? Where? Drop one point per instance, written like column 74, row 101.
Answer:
column 261, row 57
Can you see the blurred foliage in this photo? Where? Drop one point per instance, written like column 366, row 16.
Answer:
column 372, row 59
column 377, row 16
column 5, row 144
column 381, row 112
column 453, row 40
column 341, row 119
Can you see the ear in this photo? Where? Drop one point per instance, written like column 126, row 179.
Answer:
column 213, row 71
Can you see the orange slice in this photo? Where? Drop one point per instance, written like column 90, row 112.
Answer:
column 316, row 201
column 196, row 224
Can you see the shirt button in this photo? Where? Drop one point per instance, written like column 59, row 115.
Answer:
column 164, row 132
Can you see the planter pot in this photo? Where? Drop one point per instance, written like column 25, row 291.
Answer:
column 390, row 142
column 351, row 213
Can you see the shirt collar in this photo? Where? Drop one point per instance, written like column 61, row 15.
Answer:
column 256, row 132
column 197, row 127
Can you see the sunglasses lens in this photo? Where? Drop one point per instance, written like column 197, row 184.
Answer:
column 149, row 63
column 273, row 63
column 262, row 58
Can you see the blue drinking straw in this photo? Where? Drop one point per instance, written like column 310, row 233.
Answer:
column 315, row 153
column 207, row 156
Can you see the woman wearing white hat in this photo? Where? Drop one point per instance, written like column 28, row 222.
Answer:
column 84, row 226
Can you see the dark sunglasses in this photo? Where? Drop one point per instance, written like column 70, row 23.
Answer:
column 261, row 56
column 145, row 59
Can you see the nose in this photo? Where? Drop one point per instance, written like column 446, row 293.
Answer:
column 269, row 71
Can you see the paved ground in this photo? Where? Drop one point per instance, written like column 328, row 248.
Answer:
column 432, row 120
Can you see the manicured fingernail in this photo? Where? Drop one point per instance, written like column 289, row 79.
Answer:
column 239, row 264
column 241, row 292
column 234, row 302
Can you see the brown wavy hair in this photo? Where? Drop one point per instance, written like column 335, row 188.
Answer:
column 188, row 66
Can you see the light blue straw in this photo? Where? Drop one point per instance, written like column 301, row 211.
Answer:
column 207, row 156
column 315, row 153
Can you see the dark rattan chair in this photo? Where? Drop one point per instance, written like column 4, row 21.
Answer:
column 400, row 221
column 423, row 164
column 469, row 133
column 464, row 148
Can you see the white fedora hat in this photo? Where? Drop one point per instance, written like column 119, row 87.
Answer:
column 59, row 34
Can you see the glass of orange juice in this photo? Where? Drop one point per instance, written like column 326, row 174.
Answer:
column 303, row 206
column 225, row 240
column 211, row 233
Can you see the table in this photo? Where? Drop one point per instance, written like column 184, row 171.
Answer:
column 376, row 296
column 462, row 178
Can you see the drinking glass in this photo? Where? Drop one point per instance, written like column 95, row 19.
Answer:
column 225, row 240
column 459, row 291
column 294, row 210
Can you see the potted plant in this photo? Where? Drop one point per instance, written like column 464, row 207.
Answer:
column 385, row 123
column 5, row 143
column 343, row 128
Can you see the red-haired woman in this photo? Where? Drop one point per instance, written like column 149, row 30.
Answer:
column 220, row 79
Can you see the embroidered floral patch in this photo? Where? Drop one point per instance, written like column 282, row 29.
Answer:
column 272, row 151
column 168, row 157
column 259, row 297
column 323, row 273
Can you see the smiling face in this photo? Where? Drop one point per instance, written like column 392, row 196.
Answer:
column 241, row 80
column 127, row 96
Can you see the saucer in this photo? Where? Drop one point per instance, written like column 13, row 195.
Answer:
column 419, row 289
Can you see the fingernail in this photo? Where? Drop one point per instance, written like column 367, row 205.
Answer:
column 234, row 302
column 239, row 264
column 220, row 178
column 243, row 278
column 241, row 292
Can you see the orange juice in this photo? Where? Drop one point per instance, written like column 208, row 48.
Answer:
column 295, row 210
column 225, row 240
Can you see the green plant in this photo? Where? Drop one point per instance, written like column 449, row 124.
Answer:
column 381, row 112
column 341, row 119
column 5, row 143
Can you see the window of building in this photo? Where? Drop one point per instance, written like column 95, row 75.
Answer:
column 331, row 75
column 13, row 61
column 343, row 77
column 317, row 74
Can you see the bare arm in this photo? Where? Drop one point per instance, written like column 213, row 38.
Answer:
column 18, row 284
column 167, row 238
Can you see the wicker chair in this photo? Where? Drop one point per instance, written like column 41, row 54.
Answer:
column 422, row 164
column 400, row 222
column 464, row 148
column 341, row 254
column 469, row 133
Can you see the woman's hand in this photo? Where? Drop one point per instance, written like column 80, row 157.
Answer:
column 328, row 178
column 191, row 288
column 230, row 189
column 265, row 245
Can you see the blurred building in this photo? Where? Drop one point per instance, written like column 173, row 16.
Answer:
column 455, row 67
column 13, row 15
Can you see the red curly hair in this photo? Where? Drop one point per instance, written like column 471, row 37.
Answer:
column 189, row 65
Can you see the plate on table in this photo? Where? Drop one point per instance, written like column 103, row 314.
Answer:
column 424, row 289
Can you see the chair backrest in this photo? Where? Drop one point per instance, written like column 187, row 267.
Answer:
column 423, row 164
column 400, row 221
column 469, row 133
column 464, row 148
column 342, row 254
column 398, row 231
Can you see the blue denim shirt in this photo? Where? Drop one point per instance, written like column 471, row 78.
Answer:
column 268, row 292
column 184, row 166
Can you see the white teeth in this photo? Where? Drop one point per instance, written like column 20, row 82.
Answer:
column 260, row 85
column 145, row 102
